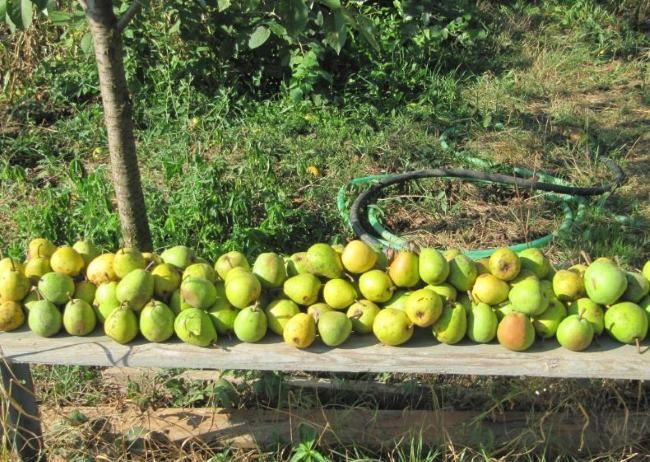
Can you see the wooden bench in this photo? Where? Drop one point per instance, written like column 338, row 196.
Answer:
column 606, row 359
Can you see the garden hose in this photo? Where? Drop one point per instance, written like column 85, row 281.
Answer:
column 555, row 189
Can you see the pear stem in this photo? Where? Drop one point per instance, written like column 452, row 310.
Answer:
column 151, row 263
column 13, row 264
column 349, row 277
column 586, row 257
column 638, row 345
column 581, row 314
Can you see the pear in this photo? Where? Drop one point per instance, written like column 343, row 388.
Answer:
column 534, row 260
column 156, row 321
column 362, row 314
column 180, row 257
column 87, row 250
column 151, row 258
column 404, row 269
column 11, row 264
column 79, row 318
column 127, row 260
column 300, row 331
column 66, row 260
column 462, row 273
column 243, row 290
column 450, row 254
column 376, row 286
column 568, row 285
column 100, row 269
column 121, row 325
column 44, row 318
column 467, row 303
column 644, row 304
column 230, row 260
column 198, row 292
column 40, row 248
column 57, row 288
column 604, row 282
column 575, row 333
column 106, row 292
column 398, row 300
column 317, row 310
column 302, row 289
column 516, row 332
column 236, row 272
column 334, row 328
column 278, row 313
column 165, row 280
column 200, row 270
column 85, row 290
column 358, row 257
column 528, row 297
column 433, row 267
column 546, row 324
column 339, row 293
column 36, row 267
column 250, row 324
column 482, row 323
column 14, row 286
column 104, row 309
column 503, row 310
column 297, row 264
column 637, row 287
column 451, row 327
column 490, row 289
column 504, row 264
column 12, row 316
column 177, row 303
column 223, row 316
column 579, row 268
column 33, row 296
column 589, row 310
column 392, row 327
column 194, row 326
column 483, row 266
column 270, row 270
column 423, row 307
column 322, row 260
column 626, row 322
column 446, row 291
column 136, row 289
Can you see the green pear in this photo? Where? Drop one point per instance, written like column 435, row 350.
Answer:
column 195, row 327
column 180, row 257
column 198, row 292
column 318, row 309
column 300, row 331
column 462, row 273
column 87, row 250
column 127, row 260
column 121, row 325
column 235, row 273
column 626, row 322
column 12, row 316
column 392, row 327
column 85, row 290
column 446, row 291
column 516, row 332
column 200, row 270
column 339, row 293
column 534, row 260
column 243, row 290
column 44, row 318
column 250, row 325
column 589, row 310
column 467, row 303
column 504, row 264
column 166, row 280
column 33, row 296
column 528, row 297
column 483, row 266
column 57, row 288
column 503, row 310
column 302, row 288
column 270, row 270
column 404, row 270
column 35, row 268
column 490, row 290
column 40, row 248
column 322, row 260
column 79, row 318
column 106, row 292
column 177, row 303
column 646, row 270
column 398, row 300
column 334, row 328
column 157, row 321
column 575, row 333
column 297, row 264
column 604, row 282
column 482, row 323
column 376, row 286
column 568, row 285
column 546, row 324
column 223, row 316
column 433, row 267
column 362, row 314
column 100, row 269
column 14, row 286
column 645, row 305
column 358, row 257
column 637, row 287
column 278, row 313
column 136, row 289
column 451, row 327
column 230, row 260
column 423, row 307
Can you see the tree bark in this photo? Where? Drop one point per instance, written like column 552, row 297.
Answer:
column 119, row 124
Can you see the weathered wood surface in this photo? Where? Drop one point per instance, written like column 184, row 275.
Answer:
column 558, row 433
column 359, row 354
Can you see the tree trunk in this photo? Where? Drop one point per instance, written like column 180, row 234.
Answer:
column 119, row 124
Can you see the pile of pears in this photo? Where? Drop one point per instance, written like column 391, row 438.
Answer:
column 327, row 293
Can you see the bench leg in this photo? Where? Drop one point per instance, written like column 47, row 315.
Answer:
column 24, row 432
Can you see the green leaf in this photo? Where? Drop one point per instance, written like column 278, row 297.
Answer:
column 223, row 5
column 294, row 15
column 331, row 4
column 336, row 30
column 259, row 37
column 367, row 29
column 3, row 10
column 87, row 43
column 20, row 12
column 59, row 17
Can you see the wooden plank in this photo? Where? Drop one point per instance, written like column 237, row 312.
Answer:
column 558, row 433
column 608, row 359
